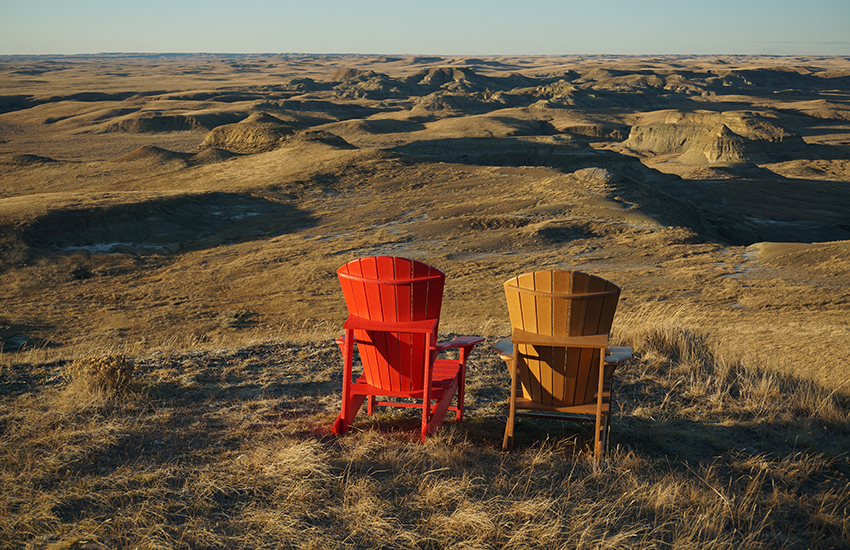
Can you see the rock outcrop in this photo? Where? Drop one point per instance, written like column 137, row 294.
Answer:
column 713, row 138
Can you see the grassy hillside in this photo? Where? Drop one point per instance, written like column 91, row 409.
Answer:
column 231, row 448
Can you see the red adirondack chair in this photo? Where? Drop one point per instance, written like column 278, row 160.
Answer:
column 394, row 312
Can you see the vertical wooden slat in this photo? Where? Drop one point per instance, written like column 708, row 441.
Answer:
column 369, row 267
column 561, row 381
column 514, row 304
column 543, row 305
column 572, row 375
column 358, row 305
column 370, row 309
column 390, row 349
column 562, row 284
column 531, row 383
column 514, row 300
column 418, row 312
column 609, row 308
column 529, row 313
column 577, row 307
column 593, row 314
column 434, row 295
column 374, row 363
column 515, row 312
column 582, row 358
column 404, row 312
column 361, row 308
column 385, row 270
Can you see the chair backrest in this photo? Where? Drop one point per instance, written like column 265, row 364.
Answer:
column 388, row 289
column 560, row 303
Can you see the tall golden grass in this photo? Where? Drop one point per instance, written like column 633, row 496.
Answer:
column 231, row 448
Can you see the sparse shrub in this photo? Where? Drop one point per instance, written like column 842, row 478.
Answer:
column 671, row 343
column 107, row 373
column 235, row 318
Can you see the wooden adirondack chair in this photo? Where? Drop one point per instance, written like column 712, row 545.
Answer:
column 394, row 311
column 558, row 355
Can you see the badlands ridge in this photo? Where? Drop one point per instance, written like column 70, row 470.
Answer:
column 208, row 199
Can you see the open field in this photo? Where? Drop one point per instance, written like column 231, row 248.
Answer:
column 191, row 210
column 232, row 449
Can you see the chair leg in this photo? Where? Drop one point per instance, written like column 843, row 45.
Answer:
column 461, row 388
column 599, row 436
column 600, row 398
column 347, row 414
column 609, row 391
column 606, row 431
column 427, row 377
column 508, row 441
column 350, row 403
column 441, row 407
column 609, row 417
column 463, row 353
column 603, row 432
column 427, row 420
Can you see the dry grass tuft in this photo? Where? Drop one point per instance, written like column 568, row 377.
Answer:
column 109, row 374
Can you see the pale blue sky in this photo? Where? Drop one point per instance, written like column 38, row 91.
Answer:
column 439, row 27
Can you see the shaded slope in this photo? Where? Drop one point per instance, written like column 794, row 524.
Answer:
column 166, row 224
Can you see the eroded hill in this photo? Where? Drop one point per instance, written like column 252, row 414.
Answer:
column 162, row 198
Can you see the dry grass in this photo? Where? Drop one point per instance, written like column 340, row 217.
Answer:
column 109, row 374
column 232, row 449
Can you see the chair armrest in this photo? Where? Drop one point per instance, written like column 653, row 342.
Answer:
column 504, row 348
column 616, row 354
column 460, row 342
